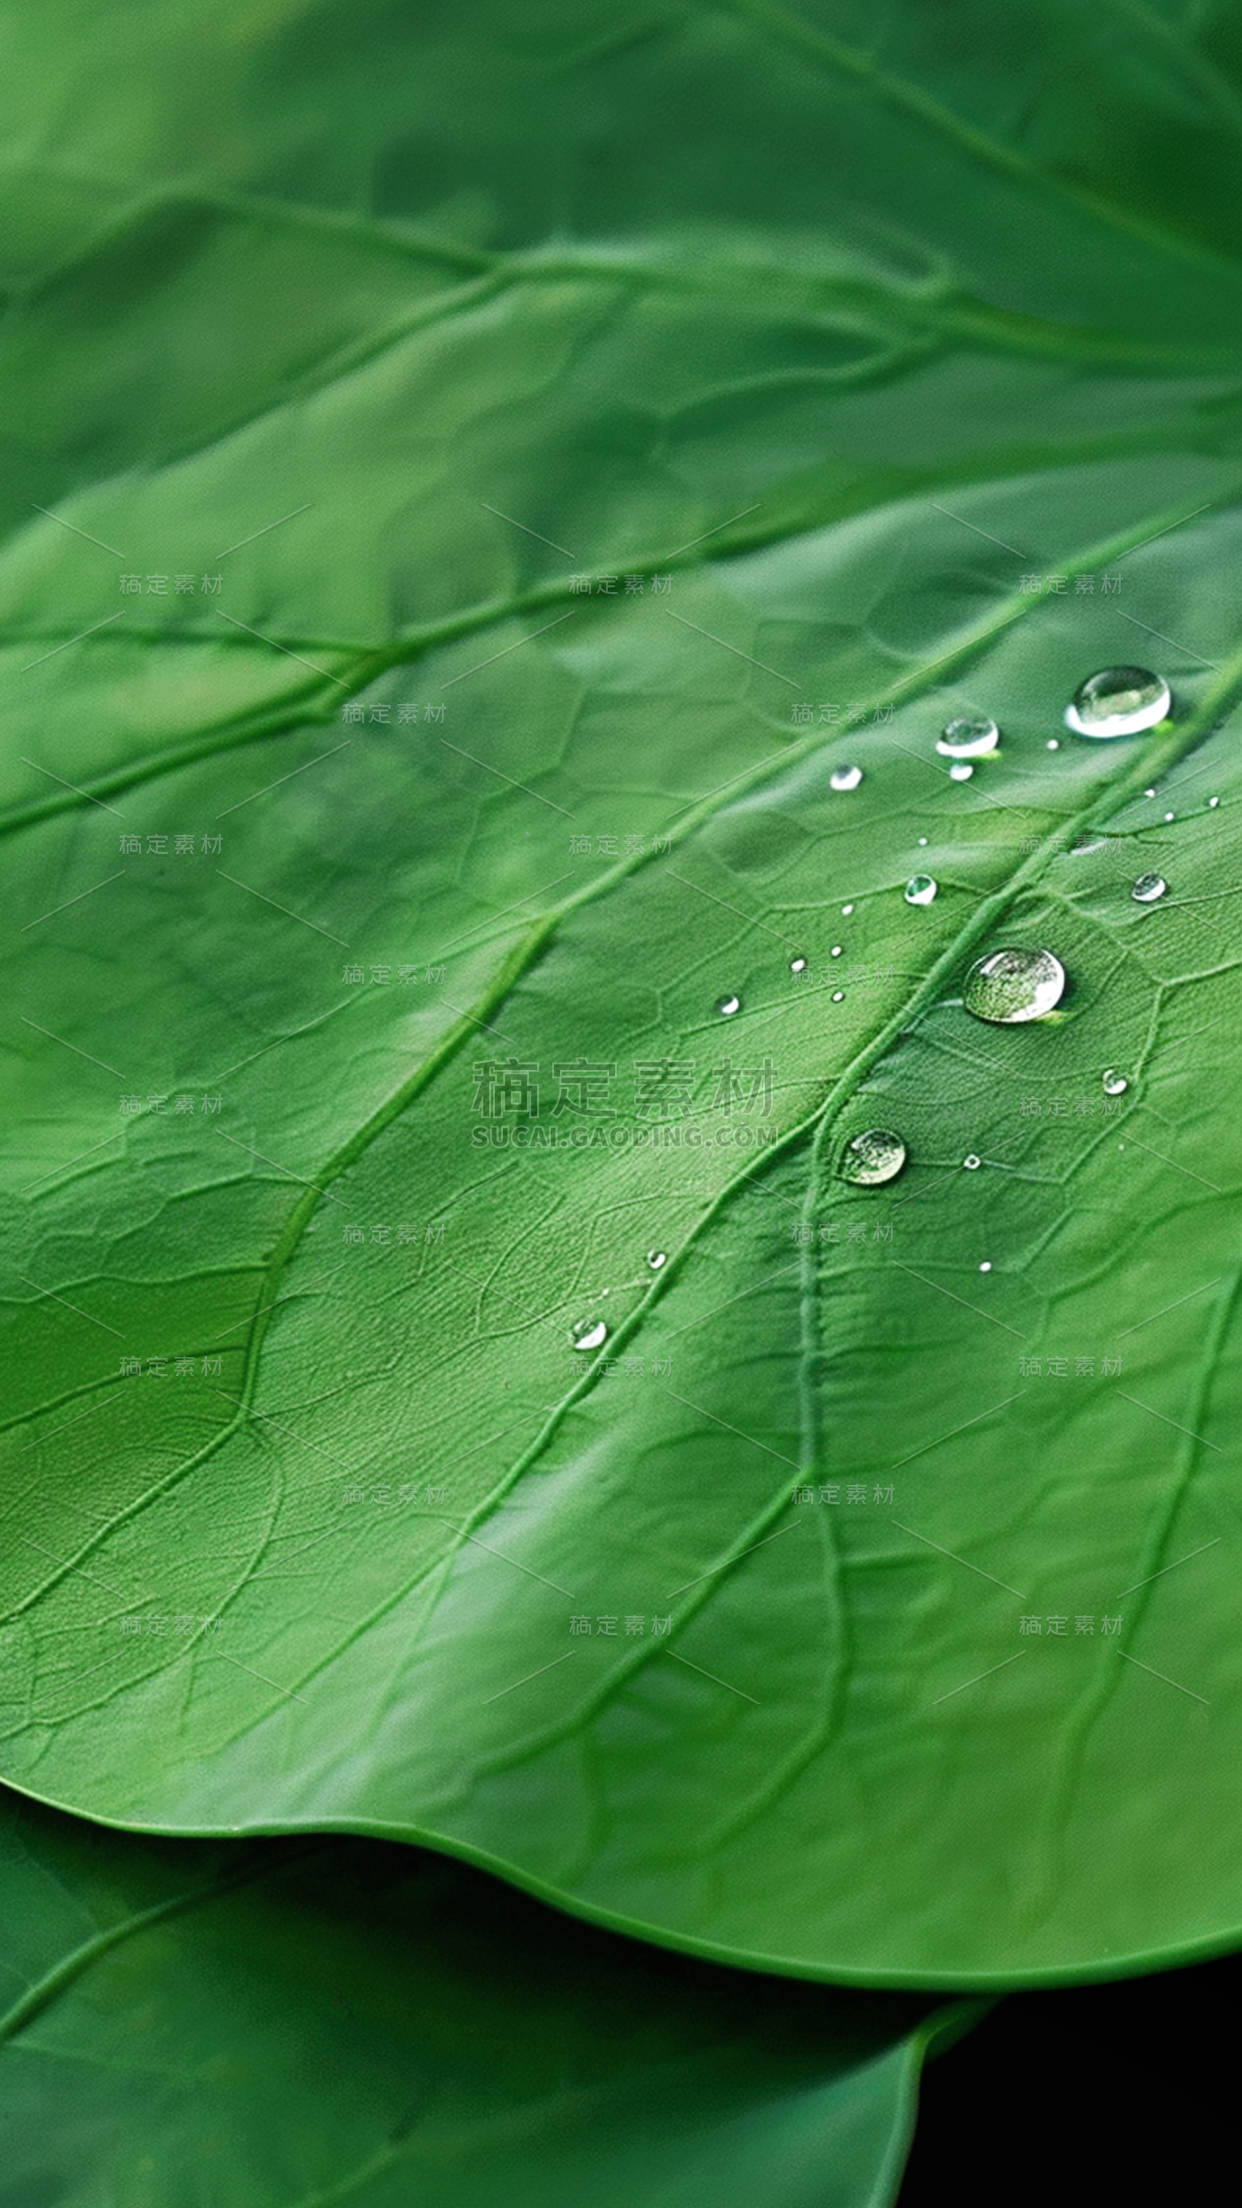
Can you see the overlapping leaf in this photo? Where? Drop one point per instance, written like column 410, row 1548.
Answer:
column 418, row 940
column 275, row 2024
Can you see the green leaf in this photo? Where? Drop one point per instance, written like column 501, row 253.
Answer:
column 273, row 2024
column 841, row 342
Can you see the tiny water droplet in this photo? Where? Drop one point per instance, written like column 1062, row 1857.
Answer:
column 1170, row 816
column 968, row 736
column 961, row 771
column 727, row 1006
column 845, row 778
column 1115, row 1084
column 836, row 950
column 1213, row 802
column 922, row 841
column 837, row 995
column 1149, row 793
column 589, row 1333
column 656, row 1258
column 1148, row 888
column 873, row 1157
column 797, row 965
column 972, row 1163
column 1053, row 744
column 846, row 910
column 1119, row 701
column 986, row 1266
column 920, row 889
column 1012, row 985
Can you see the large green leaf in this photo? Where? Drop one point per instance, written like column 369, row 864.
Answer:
column 841, row 340
column 261, row 2026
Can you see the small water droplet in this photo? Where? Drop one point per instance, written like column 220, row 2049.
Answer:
column 589, row 1333
column 656, row 1258
column 1115, row 1084
column 1119, row 701
column 1213, row 802
column 873, row 1157
column 1148, row 888
column 961, row 771
column 1012, row 985
column 972, row 1163
column 1149, row 793
column 836, row 950
column 1169, row 816
column 797, row 965
column 837, row 995
column 986, row 1266
column 1053, row 744
column 922, row 841
column 920, row 889
column 727, row 1006
column 846, row 910
column 845, row 778
column 968, row 736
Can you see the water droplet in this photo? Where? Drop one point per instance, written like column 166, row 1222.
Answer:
column 920, row 889
column 845, row 778
column 1149, row 793
column 656, row 1258
column 797, row 965
column 1053, row 744
column 1148, row 888
column 589, row 1333
column 1119, row 701
column 1011, row 985
column 837, row 995
column 846, row 910
column 922, row 842
column 1213, row 802
column 972, row 1163
column 874, row 1157
column 1169, row 816
column 968, row 737
column 1115, row 1084
column 986, row 1266
column 961, row 771
column 727, row 1006
column 836, row 950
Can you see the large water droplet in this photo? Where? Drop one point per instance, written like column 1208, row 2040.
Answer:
column 1012, row 985
column 920, row 889
column 845, row 778
column 1119, row 701
column 656, row 1258
column 968, row 737
column 873, row 1157
column 1148, row 888
column 1115, row 1084
column 727, row 1006
column 588, row 1334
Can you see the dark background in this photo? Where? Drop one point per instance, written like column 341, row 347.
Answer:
column 1094, row 2094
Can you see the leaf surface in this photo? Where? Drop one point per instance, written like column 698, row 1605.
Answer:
column 359, row 1055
